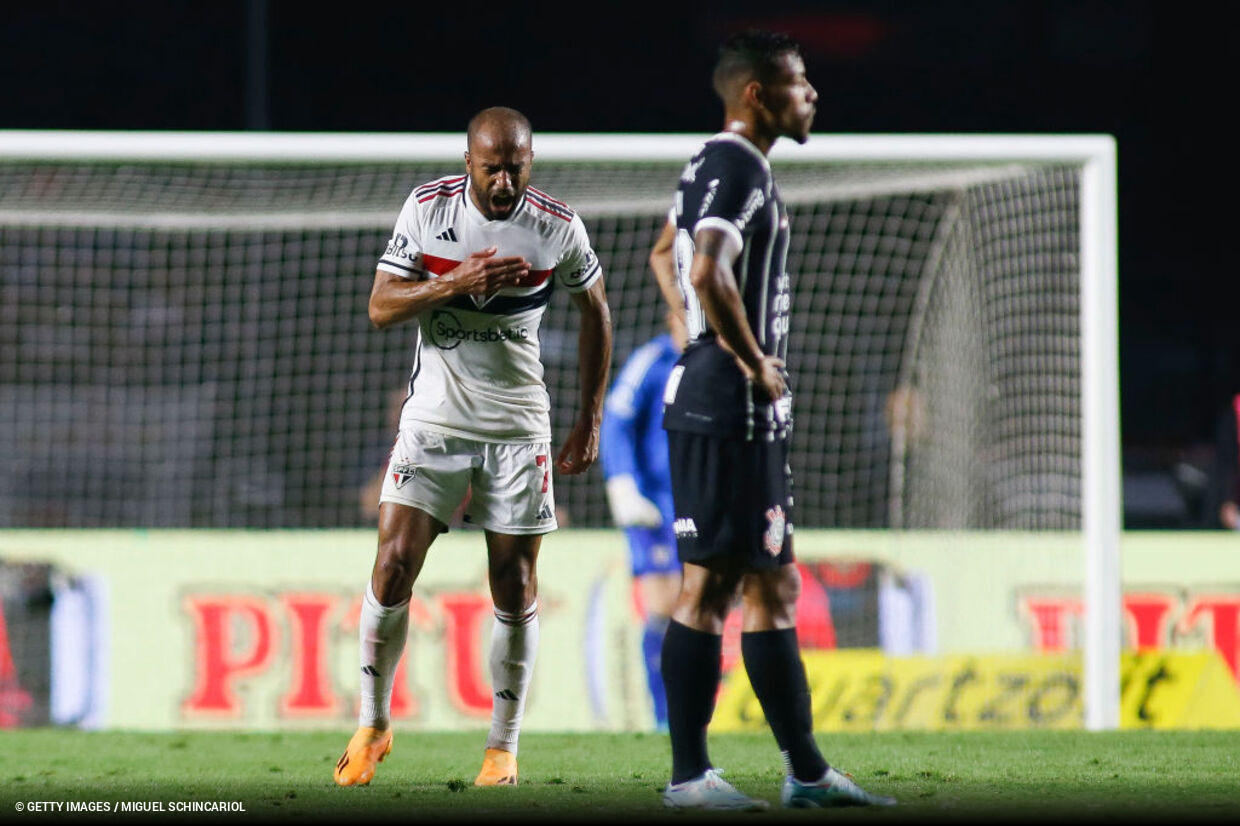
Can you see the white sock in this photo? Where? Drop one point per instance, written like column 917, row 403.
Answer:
column 514, row 644
column 381, row 631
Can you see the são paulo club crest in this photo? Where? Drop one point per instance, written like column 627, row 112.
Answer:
column 776, row 524
column 402, row 471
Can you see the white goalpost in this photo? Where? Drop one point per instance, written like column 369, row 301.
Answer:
column 183, row 315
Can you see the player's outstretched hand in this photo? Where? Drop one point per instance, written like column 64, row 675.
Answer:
column 481, row 273
column 580, row 449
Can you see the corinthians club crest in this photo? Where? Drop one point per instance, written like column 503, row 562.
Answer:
column 776, row 524
column 402, row 471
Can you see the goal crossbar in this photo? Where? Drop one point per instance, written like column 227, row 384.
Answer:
column 202, row 147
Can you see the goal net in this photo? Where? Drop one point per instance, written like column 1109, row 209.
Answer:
column 184, row 338
column 186, row 342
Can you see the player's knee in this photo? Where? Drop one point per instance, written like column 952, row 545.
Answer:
column 706, row 606
column 513, row 587
column 393, row 573
column 717, row 604
column 775, row 594
column 788, row 585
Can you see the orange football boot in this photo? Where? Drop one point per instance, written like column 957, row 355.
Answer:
column 367, row 748
column 499, row 768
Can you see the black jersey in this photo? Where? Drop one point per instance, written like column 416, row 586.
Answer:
column 728, row 186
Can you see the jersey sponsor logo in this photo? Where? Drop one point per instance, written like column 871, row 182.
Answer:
column 709, row 197
column 685, row 527
column 446, row 332
column 586, row 267
column 780, row 307
column 448, row 234
column 752, row 204
column 402, row 472
column 398, row 246
column 776, row 525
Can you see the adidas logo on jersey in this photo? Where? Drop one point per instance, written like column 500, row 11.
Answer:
column 448, row 234
column 685, row 526
column 545, row 512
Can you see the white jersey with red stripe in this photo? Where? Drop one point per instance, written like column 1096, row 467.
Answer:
column 477, row 369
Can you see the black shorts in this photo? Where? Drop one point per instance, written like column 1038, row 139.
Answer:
column 733, row 498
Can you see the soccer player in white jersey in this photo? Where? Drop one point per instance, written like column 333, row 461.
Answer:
column 473, row 259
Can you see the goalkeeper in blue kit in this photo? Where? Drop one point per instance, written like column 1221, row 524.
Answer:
column 633, row 451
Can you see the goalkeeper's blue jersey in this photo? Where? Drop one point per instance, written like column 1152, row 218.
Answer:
column 633, row 440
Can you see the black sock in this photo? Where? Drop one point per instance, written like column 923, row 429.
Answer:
column 691, row 672
column 773, row 663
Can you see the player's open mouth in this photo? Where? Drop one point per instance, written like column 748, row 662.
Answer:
column 502, row 204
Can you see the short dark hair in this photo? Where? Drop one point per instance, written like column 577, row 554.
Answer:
column 750, row 54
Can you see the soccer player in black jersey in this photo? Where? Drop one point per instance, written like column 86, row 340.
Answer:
column 728, row 413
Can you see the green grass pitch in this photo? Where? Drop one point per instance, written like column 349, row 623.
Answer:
column 1166, row 777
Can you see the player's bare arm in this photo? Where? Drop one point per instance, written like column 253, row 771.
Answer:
column 594, row 359
column 712, row 279
column 663, row 262
column 394, row 299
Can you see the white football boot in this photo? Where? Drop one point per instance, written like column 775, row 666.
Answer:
column 710, row 791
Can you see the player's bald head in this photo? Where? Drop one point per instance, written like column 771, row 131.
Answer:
column 499, row 127
column 498, row 156
column 747, row 56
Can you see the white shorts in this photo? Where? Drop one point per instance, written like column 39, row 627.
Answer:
column 509, row 483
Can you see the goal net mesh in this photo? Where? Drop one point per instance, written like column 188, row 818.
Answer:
column 187, row 344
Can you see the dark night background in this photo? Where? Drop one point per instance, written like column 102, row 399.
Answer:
column 1152, row 74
